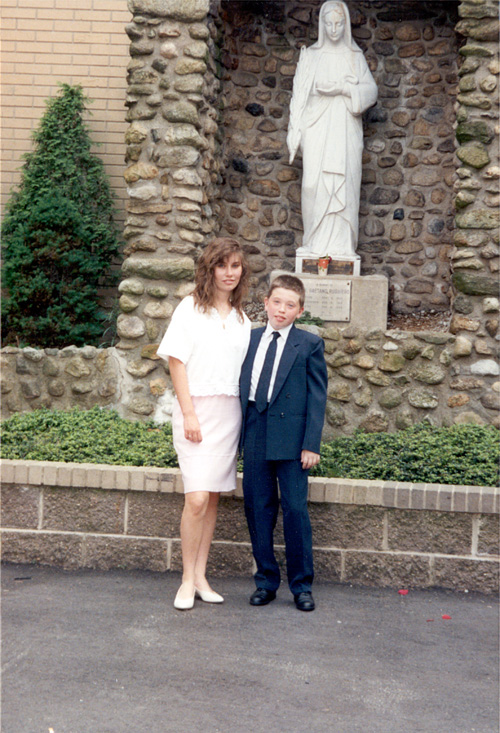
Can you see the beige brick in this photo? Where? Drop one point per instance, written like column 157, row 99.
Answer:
column 79, row 477
column 151, row 481
column 345, row 493
column 166, row 482
column 402, row 496
column 474, row 500
column 316, row 491
column 50, row 471
column 94, row 477
column 21, row 473
column 488, row 500
column 108, row 478
column 136, row 476
column 35, row 474
column 331, row 491
column 389, row 494
column 122, row 478
column 7, row 471
column 64, row 475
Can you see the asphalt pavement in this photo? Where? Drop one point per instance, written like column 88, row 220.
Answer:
column 106, row 652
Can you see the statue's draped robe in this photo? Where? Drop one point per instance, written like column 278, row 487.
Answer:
column 331, row 140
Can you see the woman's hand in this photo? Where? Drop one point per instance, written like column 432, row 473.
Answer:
column 192, row 430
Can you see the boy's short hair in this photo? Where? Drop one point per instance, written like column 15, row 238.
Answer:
column 290, row 282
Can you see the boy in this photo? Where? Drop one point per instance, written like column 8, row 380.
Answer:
column 283, row 388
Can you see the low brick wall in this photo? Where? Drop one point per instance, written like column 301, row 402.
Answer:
column 365, row 532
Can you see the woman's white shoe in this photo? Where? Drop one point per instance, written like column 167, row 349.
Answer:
column 183, row 604
column 209, row 596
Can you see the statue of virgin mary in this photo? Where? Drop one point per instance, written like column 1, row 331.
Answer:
column 332, row 87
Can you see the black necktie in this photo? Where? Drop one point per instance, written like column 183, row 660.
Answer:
column 265, row 375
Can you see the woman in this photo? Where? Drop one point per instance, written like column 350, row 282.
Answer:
column 332, row 88
column 206, row 344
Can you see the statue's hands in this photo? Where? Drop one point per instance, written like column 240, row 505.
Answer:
column 331, row 91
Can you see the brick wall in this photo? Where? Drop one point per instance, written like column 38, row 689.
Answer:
column 72, row 41
column 376, row 533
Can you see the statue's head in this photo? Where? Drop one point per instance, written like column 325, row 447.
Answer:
column 334, row 21
column 335, row 25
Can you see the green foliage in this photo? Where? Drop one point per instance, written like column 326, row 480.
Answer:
column 59, row 239
column 462, row 454
column 307, row 318
column 91, row 436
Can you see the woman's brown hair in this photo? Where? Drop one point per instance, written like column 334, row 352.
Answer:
column 216, row 253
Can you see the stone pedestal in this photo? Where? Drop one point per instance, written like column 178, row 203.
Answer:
column 309, row 263
column 343, row 301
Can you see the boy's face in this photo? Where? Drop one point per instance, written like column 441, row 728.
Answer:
column 283, row 307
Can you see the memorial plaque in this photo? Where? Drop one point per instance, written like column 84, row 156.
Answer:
column 328, row 299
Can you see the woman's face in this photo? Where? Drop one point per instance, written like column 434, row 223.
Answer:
column 334, row 25
column 228, row 274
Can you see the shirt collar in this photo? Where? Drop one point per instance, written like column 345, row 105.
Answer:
column 283, row 332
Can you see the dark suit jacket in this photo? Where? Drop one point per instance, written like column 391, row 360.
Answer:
column 296, row 410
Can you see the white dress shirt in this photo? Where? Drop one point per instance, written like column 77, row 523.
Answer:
column 212, row 349
column 260, row 355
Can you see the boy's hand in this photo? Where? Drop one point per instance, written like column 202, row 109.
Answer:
column 309, row 459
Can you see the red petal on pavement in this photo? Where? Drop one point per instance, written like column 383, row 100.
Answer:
column 446, row 617
column 430, row 619
column 403, row 592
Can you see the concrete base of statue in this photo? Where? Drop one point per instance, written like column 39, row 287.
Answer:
column 343, row 301
column 308, row 262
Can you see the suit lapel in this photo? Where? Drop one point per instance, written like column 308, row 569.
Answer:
column 286, row 362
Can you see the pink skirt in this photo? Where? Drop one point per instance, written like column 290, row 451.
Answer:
column 211, row 464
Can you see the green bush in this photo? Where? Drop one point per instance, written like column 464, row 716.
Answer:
column 462, row 454
column 87, row 436
column 59, row 238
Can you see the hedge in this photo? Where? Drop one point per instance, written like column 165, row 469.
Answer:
column 461, row 454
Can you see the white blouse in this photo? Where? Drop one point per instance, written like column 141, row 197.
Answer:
column 212, row 350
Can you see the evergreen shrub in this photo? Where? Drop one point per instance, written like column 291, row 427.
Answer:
column 461, row 454
column 59, row 237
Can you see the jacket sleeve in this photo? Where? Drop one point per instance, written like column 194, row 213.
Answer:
column 317, row 386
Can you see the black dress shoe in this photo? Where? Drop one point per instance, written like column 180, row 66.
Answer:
column 261, row 597
column 304, row 601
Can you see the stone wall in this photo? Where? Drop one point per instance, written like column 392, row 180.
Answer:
column 379, row 381
column 364, row 532
column 476, row 254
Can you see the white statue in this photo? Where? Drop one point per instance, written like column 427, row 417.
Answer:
column 333, row 86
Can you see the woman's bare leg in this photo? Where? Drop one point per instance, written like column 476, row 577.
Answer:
column 192, row 529
column 200, row 568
